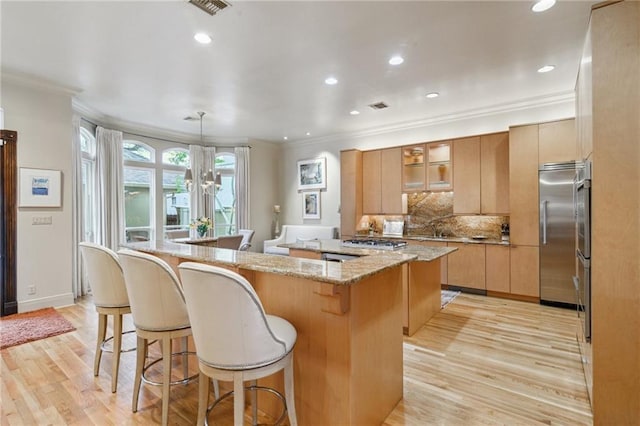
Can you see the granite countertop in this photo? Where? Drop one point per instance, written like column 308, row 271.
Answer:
column 466, row 240
column 339, row 273
column 422, row 253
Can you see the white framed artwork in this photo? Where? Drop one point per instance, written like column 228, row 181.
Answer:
column 40, row 188
column 311, row 205
column 312, row 174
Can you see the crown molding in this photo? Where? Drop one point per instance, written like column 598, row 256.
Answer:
column 28, row 80
column 501, row 108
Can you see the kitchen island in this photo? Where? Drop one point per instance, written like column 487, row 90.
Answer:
column 348, row 365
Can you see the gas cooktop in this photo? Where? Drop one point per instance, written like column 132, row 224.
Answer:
column 374, row 243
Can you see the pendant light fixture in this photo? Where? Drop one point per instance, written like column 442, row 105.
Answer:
column 207, row 180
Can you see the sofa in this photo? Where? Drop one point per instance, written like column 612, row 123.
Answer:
column 295, row 234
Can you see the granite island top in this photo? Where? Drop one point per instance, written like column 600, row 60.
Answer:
column 338, row 273
column 422, row 253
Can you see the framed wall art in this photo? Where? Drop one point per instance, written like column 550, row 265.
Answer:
column 312, row 174
column 40, row 188
column 311, row 205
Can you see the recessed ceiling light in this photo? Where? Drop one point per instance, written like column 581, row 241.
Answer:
column 285, row 138
column 308, row 133
column 543, row 5
column 396, row 60
column 202, row 38
column 331, row 81
column 546, row 68
column 432, row 95
column 354, row 112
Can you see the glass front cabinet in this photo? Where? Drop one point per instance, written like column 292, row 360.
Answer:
column 427, row 167
column 439, row 167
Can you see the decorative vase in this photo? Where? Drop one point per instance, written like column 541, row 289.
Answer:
column 202, row 230
column 441, row 170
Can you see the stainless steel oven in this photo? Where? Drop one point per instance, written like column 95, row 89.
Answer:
column 582, row 282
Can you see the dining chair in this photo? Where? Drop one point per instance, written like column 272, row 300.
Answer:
column 247, row 236
column 159, row 313
column 106, row 281
column 229, row 241
column 235, row 339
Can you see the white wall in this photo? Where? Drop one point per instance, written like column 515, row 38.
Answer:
column 444, row 129
column 42, row 118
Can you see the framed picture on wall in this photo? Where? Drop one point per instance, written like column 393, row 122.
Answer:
column 312, row 174
column 311, row 205
column 40, row 188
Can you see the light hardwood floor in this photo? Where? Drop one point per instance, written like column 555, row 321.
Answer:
column 480, row 361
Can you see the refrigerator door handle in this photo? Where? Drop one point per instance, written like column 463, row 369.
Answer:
column 543, row 208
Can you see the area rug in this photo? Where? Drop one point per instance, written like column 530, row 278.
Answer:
column 29, row 326
column 447, row 297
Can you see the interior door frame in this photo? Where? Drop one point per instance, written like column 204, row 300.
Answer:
column 8, row 221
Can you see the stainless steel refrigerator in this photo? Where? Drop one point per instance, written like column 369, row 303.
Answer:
column 557, row 234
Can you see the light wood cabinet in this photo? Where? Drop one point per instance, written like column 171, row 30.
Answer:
column 466, row 266
column 494, row 174
column 498, row 268
column 557, row 141
column 350, row 191
column 443, row 260
column 466, row 176
column 523, row 185
column 381, row 181
column 413, row 168
column 525, row 271
column 439, row 166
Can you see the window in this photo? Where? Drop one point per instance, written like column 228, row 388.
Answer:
column 225, row 196
column 139, row 190
column 176, row 199
column 88, row 146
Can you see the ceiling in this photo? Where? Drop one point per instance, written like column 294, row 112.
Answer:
column 263, row 75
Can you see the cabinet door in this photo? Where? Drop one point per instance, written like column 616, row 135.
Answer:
column 439, row 166
column 350, row 191
column 523, row 185
column 466, row 266
column 466, row 176
column 413, row 168
column 557, row 141
column 494, row 176
column 443, row 260
column 525, row 270
column 498, row 268
column 371, row 195
column 391, row 181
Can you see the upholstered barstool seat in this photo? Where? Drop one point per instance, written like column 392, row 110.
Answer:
column 235, row 339
column 110, row 299
column 159, row 313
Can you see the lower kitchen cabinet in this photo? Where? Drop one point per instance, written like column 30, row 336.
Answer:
column 498, row 268
column 443, row 260
column 466, row 266
column 525, row 271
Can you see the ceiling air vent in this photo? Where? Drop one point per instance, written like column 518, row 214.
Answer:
column 379, row 105
column 210, row 6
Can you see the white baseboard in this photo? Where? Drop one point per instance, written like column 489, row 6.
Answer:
column 56, row 301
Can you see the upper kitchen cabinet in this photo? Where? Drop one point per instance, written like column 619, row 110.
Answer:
column 494, row 174
column 439, row 166
column 350, row 191
column 381, row 181
column 466, row 176
column 413, row 168
column 523, row 185
column 557, row 141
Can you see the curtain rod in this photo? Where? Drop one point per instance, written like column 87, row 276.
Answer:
column 169, row 140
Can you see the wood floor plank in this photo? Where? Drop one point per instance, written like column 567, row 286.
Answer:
column 480, row 361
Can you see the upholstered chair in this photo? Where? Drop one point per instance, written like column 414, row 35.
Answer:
column 247, row 236
column 159, row 313
column 229, row 241
column 235, row 339
column 110, row 298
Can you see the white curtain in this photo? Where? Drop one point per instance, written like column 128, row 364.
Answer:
column 202, row 159
column 242, row 187
column 80, row 285
column 110, row 188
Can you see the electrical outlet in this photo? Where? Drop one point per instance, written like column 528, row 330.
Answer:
column 31, row 289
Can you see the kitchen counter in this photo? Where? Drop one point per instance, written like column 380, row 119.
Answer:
column 421, row 253
column 338, row 273
column 464, row 240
